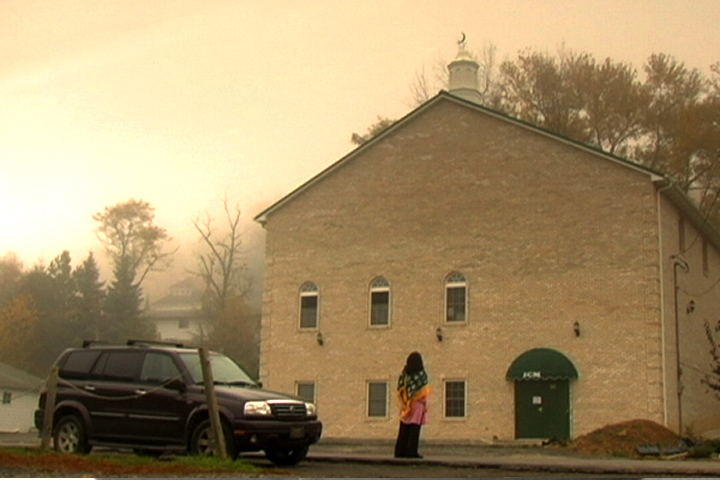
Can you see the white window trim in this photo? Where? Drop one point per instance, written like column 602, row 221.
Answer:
column 465, row 400
column 450, row 284
column 304, row 294
column 376, row 289
column 367, row 399
column 307, row 382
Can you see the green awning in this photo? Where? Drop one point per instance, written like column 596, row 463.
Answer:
column 541, row 364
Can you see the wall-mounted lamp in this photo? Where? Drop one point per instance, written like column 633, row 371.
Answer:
column 690, row 306
column 576, row 329
column 439, row 334
column 319, row 338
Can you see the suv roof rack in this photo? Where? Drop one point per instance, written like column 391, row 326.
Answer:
column 87, row 343
column 154, row 342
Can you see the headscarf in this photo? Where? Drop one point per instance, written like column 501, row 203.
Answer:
column 412, row 383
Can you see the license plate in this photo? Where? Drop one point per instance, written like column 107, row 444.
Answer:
column 297, row 432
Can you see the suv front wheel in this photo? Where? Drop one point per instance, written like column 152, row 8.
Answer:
column 70, row 436
column 203, row 443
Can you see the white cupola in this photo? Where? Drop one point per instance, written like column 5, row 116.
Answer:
column 464, row 74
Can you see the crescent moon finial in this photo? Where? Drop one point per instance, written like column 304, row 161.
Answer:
column 461, row 42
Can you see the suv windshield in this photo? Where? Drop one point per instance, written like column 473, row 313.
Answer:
column 225, row 371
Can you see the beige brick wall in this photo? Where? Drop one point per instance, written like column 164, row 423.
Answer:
column 546, row 235
column 699, row 404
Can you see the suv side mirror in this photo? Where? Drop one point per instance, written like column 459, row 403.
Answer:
column 176, row 384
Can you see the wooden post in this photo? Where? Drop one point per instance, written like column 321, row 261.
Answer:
column 50, row 396
column 209, row 383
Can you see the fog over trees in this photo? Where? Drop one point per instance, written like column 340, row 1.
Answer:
column 47, row 308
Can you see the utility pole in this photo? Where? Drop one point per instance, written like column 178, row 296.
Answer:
column 50, row 396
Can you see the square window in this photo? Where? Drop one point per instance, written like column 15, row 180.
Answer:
column 455, row 399
column 306, row 391
column 7, row 398
column 377, row 399
column 183, row 323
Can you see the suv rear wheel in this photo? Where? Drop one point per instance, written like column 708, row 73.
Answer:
column 70, row 436
column 287, row 457
column 203, row 443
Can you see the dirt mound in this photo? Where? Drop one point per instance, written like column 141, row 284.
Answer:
column 622, row 439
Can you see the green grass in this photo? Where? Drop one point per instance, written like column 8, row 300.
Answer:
column 213, row 463
column 122, row 463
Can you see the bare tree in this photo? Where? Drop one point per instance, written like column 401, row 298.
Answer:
column 488, row 81
column 233, row 328
column 420, row 89
column 221, row 267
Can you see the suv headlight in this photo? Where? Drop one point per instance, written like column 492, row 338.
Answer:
column 257, row 408
column 310, row 409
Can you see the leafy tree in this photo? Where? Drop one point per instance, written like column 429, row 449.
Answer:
column 610, row 99
column 123, row 307
column 236, row 333
column 11, row 274
column 131, row 238
column 535, row 90
column 18, row 331
column 60, row 272
column 674, row 92
column 52, row 290
column 89, row 298
column 375, row 129
column 135, row 245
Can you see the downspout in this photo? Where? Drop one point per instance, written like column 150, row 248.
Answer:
column 678, row 261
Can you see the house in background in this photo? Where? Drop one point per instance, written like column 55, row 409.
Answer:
column 178, row 318
column 551, row 288
column 178, row 315
column 20, row 392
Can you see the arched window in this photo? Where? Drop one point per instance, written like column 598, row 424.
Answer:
column 309, row 305
column 455, row 298
column 379, row 302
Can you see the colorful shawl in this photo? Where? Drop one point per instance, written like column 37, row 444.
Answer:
column 411, row 388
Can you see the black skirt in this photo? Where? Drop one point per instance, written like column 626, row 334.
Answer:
column 408, row 440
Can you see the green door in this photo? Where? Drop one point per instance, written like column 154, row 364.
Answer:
column 542, row 409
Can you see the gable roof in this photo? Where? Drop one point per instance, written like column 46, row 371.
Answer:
column 660, row 179
column 15, row 379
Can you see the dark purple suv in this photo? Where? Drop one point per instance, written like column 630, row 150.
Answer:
column 149, row 396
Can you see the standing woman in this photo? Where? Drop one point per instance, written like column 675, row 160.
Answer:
column 412, row 393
